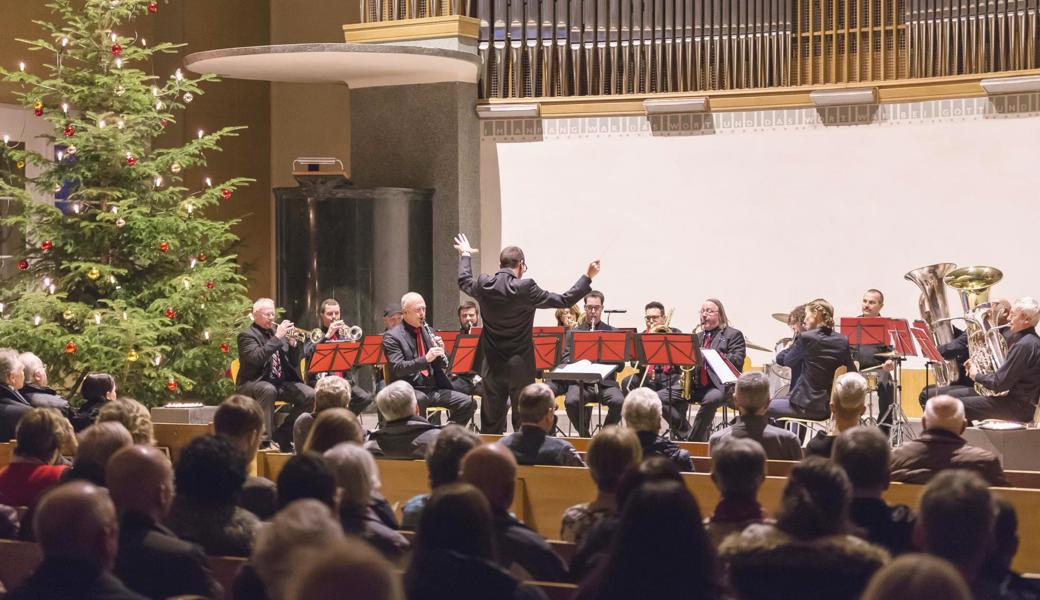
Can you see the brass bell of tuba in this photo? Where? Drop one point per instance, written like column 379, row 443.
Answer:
column 935, row 312
column 987, row 349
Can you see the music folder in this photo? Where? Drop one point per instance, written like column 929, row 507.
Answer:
column 583, row 371
column 718, row 364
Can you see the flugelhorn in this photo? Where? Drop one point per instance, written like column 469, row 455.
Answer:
column 302, row 335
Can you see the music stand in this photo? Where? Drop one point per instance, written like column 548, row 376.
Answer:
column 547, row 349
column 902, row 341
column 334, row 357
column 926, row 341
column 611, row 347
column 448, row 337
column 464, row 354
column 669, row 349
column 371, row 353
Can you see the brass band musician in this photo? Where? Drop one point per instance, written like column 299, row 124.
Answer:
column 335, row 330
column 873, row 302
column 1019, row 376
column 606, row 392
column 716, row 334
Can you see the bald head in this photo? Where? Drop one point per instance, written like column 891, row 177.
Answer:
column 140, row 479
column 944, row 412
column 491, row 468
column 413, row 309
column 77, row 520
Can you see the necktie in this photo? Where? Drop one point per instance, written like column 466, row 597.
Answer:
column 421, row 348
column 706, row 343
column 276, row 365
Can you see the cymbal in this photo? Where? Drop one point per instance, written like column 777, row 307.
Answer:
column 782, row 317
column 887, row 355
column 755, row 346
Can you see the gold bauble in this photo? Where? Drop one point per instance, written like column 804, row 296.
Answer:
column 132, row 356
column 93, row 273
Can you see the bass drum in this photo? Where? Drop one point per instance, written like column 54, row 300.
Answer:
column 779, row 376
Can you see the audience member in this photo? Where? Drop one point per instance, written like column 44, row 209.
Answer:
column 738, row 468
column 404, row 434
column 455, row 550
column 642, row 414
column 333, row 427
column 808, row 552
column 848, row 404
column 331, row 391
column 660, row 548
column 491, row 468
column 97, row 444
column 33, row 469
column 443, row 457
column 209, row 477
column 240, row 419
column 863, row 453
column 940, row 446
column 533, row 445
column 611, row 452
column 299, row 534
column 151, row 560
column 12, row 403
column 131, row 414
column 346, row 565
column 78, row 534
column 356, row 478
column 306, row 475
column 751, row 397
column 36, row 390
column 997, row 575
column 96, row 389
column 916, row 576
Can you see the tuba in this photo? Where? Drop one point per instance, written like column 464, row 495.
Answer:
column 987, row 349
column 935, row 312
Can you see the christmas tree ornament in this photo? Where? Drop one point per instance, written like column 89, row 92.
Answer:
column 171, row 314
column 158, row 181
column 130, row 159
column 69, row 130
column 38, row 111
column 210, row 285
column 117, row 50
column 72, row 149
column 186, row 282
column 20, row 164
column 132, row 356
column 153, row 7
column 23, row 265
column 70, row 347
column 65, row 107
column 56, row 188
column 97, row 318
column 175, row 168
column 120, row 124
column 171, row 385
column 46, row 245
column 202, row 257
column 190, row 208
column 38, row 105
column 120, row 222
column 120, row 90
column 205, row 335
column 68, row 315
column 101, row 124
column 163, row 123
column 227, row 373
column 157, row 360
column 225, row 194
column 164, row 246
column 119, row 63
column 225, row 347
column 188, row 97
column 21, row 66
column 37, row 319
column 93, row 273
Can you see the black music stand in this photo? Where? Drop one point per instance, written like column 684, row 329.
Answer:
column 611, row 347
column 337, row 357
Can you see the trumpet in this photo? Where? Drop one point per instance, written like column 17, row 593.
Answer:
column 302, row 335
column 350, row 334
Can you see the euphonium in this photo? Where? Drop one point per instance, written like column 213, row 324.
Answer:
column 987, row 349
column 935, row 312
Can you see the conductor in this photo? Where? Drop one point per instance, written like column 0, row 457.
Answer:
column 508, row 302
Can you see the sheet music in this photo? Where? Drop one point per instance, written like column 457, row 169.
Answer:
column 585, row 367
column 718, row 365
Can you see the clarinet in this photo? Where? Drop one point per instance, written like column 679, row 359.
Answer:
column 443, row 360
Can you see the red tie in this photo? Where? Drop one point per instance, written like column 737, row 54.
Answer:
column 422, row 348
column 706, row 343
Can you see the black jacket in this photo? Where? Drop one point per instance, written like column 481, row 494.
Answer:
column 256, row 346
column 656, row 445
column 1020, row 374
column 12, row 406
column 728, row 342
column 402, row 438
column 87, row 413
column 507, row 304
column 70, row 579
column 779, row 444
column 435, row 571
column 367, row 525
column 45, row 397
column 817, row 353
column 405, row 362
column 526, row 548
column 532, row 446
column 155, row 562
column 887, row 526
column 957, row 349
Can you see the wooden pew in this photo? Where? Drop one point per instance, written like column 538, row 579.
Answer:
column 18, row 560
column 6, row 453
column 582, row 444
column 225, row 568
column 176, row 436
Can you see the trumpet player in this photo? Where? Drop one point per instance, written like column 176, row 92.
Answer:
column 269, row 369
column 1019, row 376
column 335, row 330
column 412, row 354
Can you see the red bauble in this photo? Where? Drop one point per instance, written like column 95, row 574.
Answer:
column 164, row 246
column 130, row 160
column 153, row 7
column 23, row 265
column 225, row 194
column 225, row 348
column 202, row 257
column 46, row 245
column 163, row 123
column 227, row 372
column 171, row 385
column 38, row 112
column 69, row 130
column 170, row 313
column 70, row 347
column 210, row 285
column 117, row 50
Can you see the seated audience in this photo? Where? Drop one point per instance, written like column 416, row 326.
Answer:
column 863, row 453
column 346, row 565
column 848, row 404
column 455, row 550
column 751, row 397
column 240, row 419
column 96, row 389
column 34, row 467
column 491, row 468
column 78, row 533
column 333, row 427
column 916, row 576
column 996, row 573
column 642, row 414
column 356, row 478
column 611, row 452
column 533, row 445
column 331, row 391
column 306, row 475
column 738, row 469
column 299, row 534
column 12, row 403
column 808, row 552
column 404, row 434
column 940, row 446
column 443, row 457
column 660, row 549
column 151, row 560
column 36, row 389
column 209, row 477
column 133, row 415
column 97, row 444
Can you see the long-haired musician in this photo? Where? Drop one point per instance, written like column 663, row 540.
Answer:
column 717, row 334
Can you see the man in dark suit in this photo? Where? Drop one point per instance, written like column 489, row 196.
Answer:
column 957, row 351
column 152, row 560
column 1019, row 376
column 508, row 303
column 413, row 356
column 708, row 389
column 751, row 397
column 12, row 403
column 606, row 392
column 336, row 331
column 817, row 353
column 873, row 302
column 533, row 445
column 469, row 317
column 269, row 369
column 661, row 377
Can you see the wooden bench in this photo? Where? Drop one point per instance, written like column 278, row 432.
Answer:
column 18, row 560
column 581, row 444
column 225, row 568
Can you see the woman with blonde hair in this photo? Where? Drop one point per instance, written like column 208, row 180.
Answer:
column 333, row 426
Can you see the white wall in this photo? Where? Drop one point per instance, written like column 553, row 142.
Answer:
column 766, row 210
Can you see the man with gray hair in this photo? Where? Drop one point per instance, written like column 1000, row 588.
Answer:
column 35, row 388
column 751, row 398
column 97, row 444
column 848, row 404
column 738, row 469
column 12, row 403
column 533, row 445
column 404, row 434
column 940, row 446
column 297, row 535
column 1019, row 376
column 641, row 413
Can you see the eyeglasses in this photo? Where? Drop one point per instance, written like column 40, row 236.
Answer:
column 652, row 318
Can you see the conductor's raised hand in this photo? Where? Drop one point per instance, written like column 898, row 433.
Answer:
column 462, row 245
column 593, row 269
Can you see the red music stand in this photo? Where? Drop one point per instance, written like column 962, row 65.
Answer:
column 601, row 346
column 448, row 337
column 464, row 354
column 923, row 335
column 371, row 351
column 541, row 330
column 673, row 349
column 334, row 357
column 547, row 351
column 865, row 331
column 899, row 332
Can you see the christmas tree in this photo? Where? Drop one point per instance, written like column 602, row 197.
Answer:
column 124, row 274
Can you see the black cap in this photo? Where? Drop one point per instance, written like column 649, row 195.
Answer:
column 391, row 309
